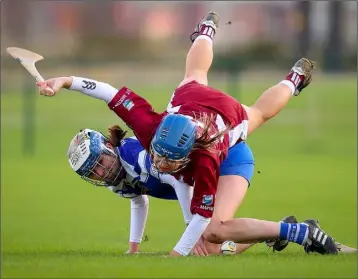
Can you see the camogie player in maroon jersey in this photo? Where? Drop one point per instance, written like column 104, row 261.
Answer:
column 192, row 137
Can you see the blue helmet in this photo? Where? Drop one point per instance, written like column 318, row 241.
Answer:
column 174, row 137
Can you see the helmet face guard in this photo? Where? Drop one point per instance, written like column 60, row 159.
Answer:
column 181, row 163
column 93, row 161
column 174, row 140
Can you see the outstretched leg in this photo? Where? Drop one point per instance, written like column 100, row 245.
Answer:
column 200, row 55
column 274, row 99
column 247, row 230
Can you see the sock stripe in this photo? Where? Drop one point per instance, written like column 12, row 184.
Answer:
column 295, row 79
column 207, row 30
column 210, row 32
column 288, row 231
column 297, row 234
column 305, row 237
column 303, row 234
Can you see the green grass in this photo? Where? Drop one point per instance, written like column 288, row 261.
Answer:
column 54, row 225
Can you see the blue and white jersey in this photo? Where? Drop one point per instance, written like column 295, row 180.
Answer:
column 141, row 178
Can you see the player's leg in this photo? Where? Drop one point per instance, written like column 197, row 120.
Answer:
column 247, row 230
column 274, row 99
column 200, row 55
column 232, row 202
column 275, row 244
column 238, row 169
column 229, row 196
column 230, row 193
column 279, row 245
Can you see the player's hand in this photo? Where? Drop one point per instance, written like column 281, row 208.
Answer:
column 51, row 86
column 129, row 252
column 133, row 248
column 200, row 248
column 174, row 254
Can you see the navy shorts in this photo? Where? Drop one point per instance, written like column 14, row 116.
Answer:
column 239, row 161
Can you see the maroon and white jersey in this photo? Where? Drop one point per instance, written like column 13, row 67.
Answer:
column 193, row 98
column 190, row 100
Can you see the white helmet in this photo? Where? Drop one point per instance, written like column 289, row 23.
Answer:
column 94, row 159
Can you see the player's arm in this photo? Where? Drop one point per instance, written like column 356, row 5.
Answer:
column 184, row 194
column 129, row 106
column 202, row 204
column 93, row 88
column 139, row 214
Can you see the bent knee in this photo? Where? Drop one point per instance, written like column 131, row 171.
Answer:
column 214, row 234
column 256, row 118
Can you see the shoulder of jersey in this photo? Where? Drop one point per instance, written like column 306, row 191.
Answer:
column 130, row 146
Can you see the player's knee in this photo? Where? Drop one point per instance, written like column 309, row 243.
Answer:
column 258, row 114
column 256, row 118
column 214, row 233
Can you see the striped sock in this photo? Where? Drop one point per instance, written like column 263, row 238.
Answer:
column 293, row 80
column 292, row 232
column 207, row 30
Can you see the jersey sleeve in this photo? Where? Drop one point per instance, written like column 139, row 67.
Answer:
column 206, row 176
column 137, row 113
column 139, row 215
column 184, row 193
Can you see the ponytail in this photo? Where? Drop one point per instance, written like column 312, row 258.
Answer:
column 115, row 135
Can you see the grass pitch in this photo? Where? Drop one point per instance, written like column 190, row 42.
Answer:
column 54, row 225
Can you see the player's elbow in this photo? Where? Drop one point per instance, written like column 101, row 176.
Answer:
column 140, row 201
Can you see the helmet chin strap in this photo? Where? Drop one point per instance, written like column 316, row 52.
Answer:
column 182, row 165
